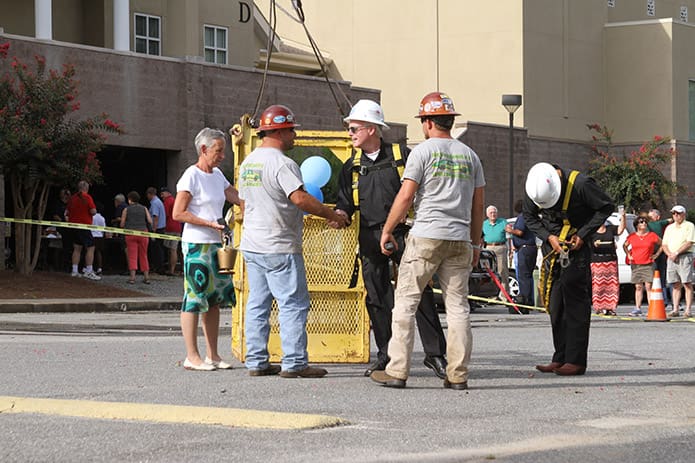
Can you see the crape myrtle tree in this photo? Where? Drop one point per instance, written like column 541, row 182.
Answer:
column 43, row 143
column 634, row 179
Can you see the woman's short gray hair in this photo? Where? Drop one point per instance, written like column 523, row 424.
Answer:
column 206, row 137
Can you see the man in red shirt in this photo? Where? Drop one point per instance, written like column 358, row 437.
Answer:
column 80, row 209
column 173, row 227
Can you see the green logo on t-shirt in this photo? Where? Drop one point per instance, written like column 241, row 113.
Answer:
column 452, row 165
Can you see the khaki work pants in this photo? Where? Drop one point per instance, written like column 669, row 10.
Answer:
column 451, row 260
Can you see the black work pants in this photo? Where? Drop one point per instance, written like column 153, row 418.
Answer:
column 380, row 296
column 156, row 253
column 570, row 308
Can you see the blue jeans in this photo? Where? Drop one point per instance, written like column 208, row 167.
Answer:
column 283, row 277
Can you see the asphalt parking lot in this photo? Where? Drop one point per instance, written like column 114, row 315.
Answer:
column 635, row 403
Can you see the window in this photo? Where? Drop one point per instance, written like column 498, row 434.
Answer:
column 148, row 34
column 215, row 44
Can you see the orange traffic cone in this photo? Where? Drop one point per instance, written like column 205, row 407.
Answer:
column 657, row 309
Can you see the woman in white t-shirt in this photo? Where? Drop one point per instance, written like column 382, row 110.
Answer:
column 201, row 194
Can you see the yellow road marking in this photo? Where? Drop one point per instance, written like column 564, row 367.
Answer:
column 232, row 417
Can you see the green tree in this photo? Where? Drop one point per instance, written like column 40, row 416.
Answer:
column 634, row 179
column 42, row 144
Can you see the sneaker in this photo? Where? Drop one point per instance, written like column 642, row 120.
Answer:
column 75, row 274
column 635, row 313
column 92, row 276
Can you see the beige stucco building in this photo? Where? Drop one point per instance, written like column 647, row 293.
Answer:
column 628, row 64
column 177, row 64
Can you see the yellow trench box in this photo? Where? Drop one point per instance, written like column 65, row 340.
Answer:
column 338, row 324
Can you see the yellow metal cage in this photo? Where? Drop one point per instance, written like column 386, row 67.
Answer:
column 337, row 324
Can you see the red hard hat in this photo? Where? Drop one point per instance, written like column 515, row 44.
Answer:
column 437, row 104
column 276, row 117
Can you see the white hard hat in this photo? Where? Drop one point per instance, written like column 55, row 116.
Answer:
column 367, row 111
column 543, row 185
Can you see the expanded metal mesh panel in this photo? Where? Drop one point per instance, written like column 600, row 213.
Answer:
column 337, row 323
column 329, row 254
column 330, row 313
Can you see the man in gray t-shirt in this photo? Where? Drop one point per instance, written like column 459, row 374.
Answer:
column 444, row 181
column 272, row 197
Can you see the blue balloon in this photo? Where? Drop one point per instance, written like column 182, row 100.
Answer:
column 314, row 191
column 316, row 170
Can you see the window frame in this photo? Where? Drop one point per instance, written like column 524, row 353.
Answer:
column 148, row 38
column 215, row 48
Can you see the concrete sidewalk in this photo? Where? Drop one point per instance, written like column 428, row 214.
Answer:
column 165, row 293
column 89, row 305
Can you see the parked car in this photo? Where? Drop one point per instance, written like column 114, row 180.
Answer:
column 479, row 282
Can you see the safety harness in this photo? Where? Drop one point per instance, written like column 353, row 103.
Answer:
column 548, row 265
column 358, row 169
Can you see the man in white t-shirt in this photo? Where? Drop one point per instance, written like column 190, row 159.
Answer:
column 444, row 181
column 678, row 243
column 273, row 197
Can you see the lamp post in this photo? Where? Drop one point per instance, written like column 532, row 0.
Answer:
column 511, row 103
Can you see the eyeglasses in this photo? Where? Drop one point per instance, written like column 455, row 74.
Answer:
column 676, row 213
column 641, row 221
column 354, row 130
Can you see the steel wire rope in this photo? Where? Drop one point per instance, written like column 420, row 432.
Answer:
column 297, row 4
column 272, row 22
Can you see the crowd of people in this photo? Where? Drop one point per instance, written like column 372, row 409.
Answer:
column 86, row 252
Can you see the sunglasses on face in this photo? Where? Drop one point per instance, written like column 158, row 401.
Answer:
column 354, row 130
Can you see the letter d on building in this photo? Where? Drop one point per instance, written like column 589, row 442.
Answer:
column 244, row 12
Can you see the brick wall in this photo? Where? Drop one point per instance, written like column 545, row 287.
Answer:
column 491, row 143
column 164, row 102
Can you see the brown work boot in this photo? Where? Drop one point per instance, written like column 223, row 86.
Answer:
column 570, row 369
column 267, row 371
column 387, row 380
column 456, row 386
column 308, row 372
column 549, row 368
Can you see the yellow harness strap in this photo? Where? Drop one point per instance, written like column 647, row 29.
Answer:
column 357, row 169
column 356, row 179
column 567, row 230
column 398, row 157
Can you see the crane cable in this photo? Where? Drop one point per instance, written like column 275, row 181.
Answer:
column 272, row 21
column 297, row 4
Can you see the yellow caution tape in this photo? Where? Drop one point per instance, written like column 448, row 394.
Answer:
column 83, row 226
column 497, row 301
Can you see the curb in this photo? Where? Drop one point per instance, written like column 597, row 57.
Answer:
column 90, row 305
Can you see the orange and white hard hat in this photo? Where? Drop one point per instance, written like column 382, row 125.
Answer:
column 437, row 104
column 277, row 117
